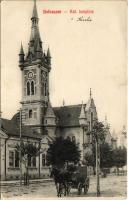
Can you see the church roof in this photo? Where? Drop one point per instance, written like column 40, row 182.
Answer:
column 12, row 128
column 68, row 115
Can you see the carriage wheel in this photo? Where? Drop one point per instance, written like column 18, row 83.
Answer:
column 68, row 189
column 86, row 187
column 79, row 189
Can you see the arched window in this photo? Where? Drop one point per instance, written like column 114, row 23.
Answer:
column 28, row 88
column 32, row 88
column 30, row 113
column 45, row 89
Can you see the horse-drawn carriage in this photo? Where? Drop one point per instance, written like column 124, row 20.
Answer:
column 67, row 179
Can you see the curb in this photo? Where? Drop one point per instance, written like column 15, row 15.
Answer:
column 16, row 183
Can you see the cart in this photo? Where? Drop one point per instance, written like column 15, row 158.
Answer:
column 79, row 180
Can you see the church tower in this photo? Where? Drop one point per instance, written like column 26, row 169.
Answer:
column 35, row 67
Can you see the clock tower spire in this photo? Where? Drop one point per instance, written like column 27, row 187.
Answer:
column 35, row 67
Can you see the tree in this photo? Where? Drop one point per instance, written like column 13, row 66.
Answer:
column 106, row 157
column 119, row 158
column 98, row 132
column 28, row 152
column 62, row 151
column 98, row 136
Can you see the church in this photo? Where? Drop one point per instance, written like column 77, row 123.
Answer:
column 41, row 122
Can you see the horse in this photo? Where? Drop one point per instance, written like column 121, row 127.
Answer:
column 61, row 179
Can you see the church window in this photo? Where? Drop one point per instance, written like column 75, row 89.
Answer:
column 28, row 88
column 30, row 113
column 45, row 89
column 11, row 158
column 32, row 88
column 43, row 159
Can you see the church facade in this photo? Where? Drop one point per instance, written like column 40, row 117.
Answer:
column 41, row 122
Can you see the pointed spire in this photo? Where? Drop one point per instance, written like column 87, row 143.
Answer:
column 38, row 46
column 35, row 44
column 48, row 53
column 90, row 93
column 48, row 57
column 82, row 113
column 21, row 57
column 49, row 112
column 34, row 14
column 82, row 117
column 21, row 50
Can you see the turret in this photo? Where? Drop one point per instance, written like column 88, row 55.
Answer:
column 21, row 57
column 48, row 57
column 50, row 118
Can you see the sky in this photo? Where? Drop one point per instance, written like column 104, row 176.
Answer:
column 84, row 54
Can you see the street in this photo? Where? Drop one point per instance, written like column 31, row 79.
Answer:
column 112, row 186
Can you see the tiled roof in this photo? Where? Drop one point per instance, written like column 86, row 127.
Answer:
column 12, row 128
column 68, row 115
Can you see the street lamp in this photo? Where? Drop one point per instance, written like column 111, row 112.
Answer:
column 83, row 124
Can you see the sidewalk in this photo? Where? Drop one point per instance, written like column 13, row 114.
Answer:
column 31, row 181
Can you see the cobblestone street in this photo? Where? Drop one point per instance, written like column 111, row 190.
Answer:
column 112, row 186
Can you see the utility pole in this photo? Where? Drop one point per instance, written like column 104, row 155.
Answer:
column 20, row 155
column 97, row 168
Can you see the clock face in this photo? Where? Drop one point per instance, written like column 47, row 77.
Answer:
column 30, row 75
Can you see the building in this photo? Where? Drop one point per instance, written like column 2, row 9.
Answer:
column 41, row 122
column 122, row 141
column 110, row 138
